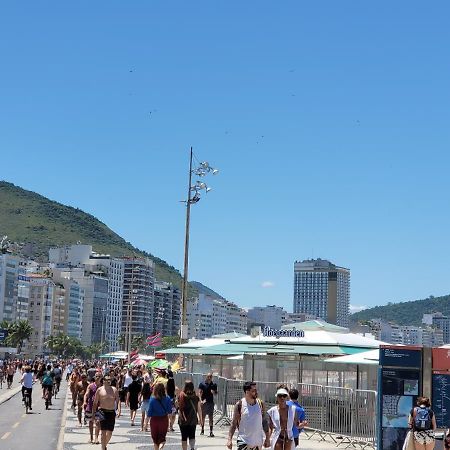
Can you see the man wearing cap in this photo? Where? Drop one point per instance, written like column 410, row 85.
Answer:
column 105, row 401
column 206, row 391
column 249, row 418
column 282, row 419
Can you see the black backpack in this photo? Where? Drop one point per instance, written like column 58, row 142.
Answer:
column 422, row 418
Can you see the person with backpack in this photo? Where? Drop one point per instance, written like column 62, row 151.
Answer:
column 250, row 419
column 189, row 414
column 47, row 385
column 423, row 423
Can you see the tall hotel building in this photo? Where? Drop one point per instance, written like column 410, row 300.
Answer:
column 130, row 299
column 323, row 290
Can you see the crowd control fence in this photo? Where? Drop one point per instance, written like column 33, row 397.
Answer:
column 344, row 416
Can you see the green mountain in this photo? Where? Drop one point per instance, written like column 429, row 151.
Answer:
column 405, row 313
column 202, row 289
column 36, row 223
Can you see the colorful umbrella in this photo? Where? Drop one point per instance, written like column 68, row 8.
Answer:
column 158, row 364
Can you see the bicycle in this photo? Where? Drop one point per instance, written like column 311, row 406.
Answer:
column 27, row 400
column 48, row 396
column 57, row 385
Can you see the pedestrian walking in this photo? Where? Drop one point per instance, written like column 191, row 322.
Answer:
column 301, row 415
column 250, row 418
column 422, row 421
column 105, row 401
column 282, row 419
column 207, row 389
column 144, row 398
column 159, row 408
column 189, row 414
column 134, row 389
column 88, row 409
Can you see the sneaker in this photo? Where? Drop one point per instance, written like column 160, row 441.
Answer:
column 202, row 433
column 211, row 434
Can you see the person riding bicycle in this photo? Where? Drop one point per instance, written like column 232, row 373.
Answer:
column 47, row 383
column 27, row 381
column 58, row 375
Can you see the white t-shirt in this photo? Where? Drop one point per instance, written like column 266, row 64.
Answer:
column 27, row 380
column 127, row 380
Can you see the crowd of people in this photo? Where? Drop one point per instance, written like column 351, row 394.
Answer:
column 100, row 392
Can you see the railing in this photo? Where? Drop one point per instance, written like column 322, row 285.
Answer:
column 344, row 416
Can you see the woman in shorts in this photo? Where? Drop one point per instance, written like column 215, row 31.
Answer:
column 423, row 433
column 189, row 414
column 144, row 398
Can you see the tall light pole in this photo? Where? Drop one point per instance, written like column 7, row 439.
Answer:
column 193, row 196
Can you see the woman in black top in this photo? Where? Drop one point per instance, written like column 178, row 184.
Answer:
column 170, row 389
column 189, row 414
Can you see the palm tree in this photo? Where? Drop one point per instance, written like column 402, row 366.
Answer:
column 18, row 332
column 121, row 340
column 138, row 342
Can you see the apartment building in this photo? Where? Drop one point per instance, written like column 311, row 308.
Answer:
column 208, row 316
column 271, row 315
column 130, row 299
column 40, row 313
column 166, row 309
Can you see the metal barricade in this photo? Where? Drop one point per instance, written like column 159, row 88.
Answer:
column 364, row 407
column 221, row 401
column 312, row 399
column 338, row 414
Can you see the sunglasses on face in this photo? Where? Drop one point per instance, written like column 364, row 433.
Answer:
column 282, row 396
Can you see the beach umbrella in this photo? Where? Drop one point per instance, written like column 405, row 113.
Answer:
column 158, row 364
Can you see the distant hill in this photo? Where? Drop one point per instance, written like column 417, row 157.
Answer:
column 202, row 289
column 405, row 313
column 38, row 223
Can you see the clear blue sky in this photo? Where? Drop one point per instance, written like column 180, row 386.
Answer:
column 328, row 120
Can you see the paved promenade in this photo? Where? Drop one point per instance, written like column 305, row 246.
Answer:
column 126, row 437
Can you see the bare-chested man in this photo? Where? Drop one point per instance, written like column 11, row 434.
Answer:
column 105, row 402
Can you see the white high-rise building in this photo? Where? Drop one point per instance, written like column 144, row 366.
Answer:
column 322, row 289
column 130, row 299
column 208, row 316
column 9, row 275
column 40, row 313
column 271, row 316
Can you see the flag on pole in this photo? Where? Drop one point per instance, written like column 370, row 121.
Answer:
column 155, row 343
column 151, row 339
column 134, row 354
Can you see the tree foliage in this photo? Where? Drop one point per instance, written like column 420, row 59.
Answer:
column 405, row 313
column 18, row 332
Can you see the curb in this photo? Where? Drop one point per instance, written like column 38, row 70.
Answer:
column 9, row 395
column 62, row 431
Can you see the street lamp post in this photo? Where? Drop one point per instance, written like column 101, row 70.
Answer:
column 193, row 196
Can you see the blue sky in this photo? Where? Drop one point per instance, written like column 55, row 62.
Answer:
column 329, row 122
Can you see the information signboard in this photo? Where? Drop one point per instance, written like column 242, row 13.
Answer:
column 399, row 387
column 394, row 356
column 441, row 398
